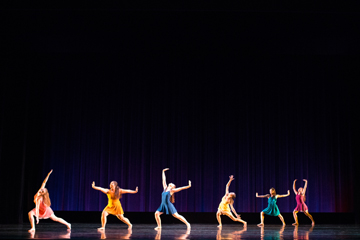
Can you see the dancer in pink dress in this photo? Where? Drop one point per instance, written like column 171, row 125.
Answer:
column 42, row 209
column 301, row 206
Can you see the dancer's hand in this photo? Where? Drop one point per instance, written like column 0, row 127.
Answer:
column 231, row 177
column 304, row 180
column 50, row 172
column 93, row 184
column 165, row 169
column 257, row 195
column 288, row 192
column 295, row 180
column 189, row 183
column 136, row 189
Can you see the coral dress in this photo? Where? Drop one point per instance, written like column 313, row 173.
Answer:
column 114, row 206
column 166, row 206
column 272, row 209
column 224, row 206
column 44, row 210
column 301, row 206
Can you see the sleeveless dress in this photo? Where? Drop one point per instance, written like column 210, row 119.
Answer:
column 166, row 206
column 224, row 206
column 44, row 211
column 301, row 206
column 272, row 209
column 114, row 206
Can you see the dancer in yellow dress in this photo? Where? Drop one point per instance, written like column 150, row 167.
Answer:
column 114, row 205
column 226, row 203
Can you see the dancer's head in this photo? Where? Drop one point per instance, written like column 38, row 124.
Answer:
column 232, row 196
column 115, row 189
column 171, row 186
column 44, row 193
column 300, row 190
column 272, row 192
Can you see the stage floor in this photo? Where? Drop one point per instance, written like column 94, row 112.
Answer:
column 179, row 231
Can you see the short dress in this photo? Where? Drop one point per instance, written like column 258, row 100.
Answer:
column 114, row 206
column 166, row 206
column 224, row 206
column 301, row 206
column 272, row 209
column 44, row 210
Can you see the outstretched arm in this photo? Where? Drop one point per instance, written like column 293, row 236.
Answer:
column 182, row 188
column 104, row 190
column 262, row 196
column 228, row 184
column 164, row 178
column 233, row 210
column 294, row 187
column 129, row 191
column 45, row 181
column 284, row 195
column 305, row 186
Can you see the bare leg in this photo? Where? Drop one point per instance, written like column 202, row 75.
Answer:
column 309, row 216
column 158, row 220
column 104, row 215
column 235, row 219
column 32, row 221
column 181, row 218
column 261, row 220
column 218, row 214
column 125, row 220
column 282, row 219
column 295, row 218
column 60, row 220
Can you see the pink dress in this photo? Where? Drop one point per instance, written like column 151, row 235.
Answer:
column 301, row 206
column 44, row 211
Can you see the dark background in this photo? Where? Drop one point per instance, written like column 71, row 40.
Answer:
column 119, row 91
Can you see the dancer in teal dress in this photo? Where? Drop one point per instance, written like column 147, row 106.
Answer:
column 167, row 198
column 272, row 209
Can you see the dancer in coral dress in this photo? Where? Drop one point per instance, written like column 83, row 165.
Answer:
column 226, row 201
column 114, row 205
column 42, row 208
column 300, row 201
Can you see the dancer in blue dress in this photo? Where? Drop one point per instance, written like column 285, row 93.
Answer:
column 167, row 200
column 272, row 209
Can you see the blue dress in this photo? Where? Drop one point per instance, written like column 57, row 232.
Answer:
column 166, row 206
column 272, row 209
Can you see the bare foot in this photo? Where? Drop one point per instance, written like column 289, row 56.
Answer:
column 157, row 228
column 130, row 226
column 31, row 230
column 188, row 225
column 313, row 224
column 284, row 224
column 245, row 224
column 295, row 224
column 220, row 226
column 69, row 226
column 101, row 229
column 260, row 225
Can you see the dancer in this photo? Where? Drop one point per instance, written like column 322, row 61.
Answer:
column 167, row 206
column 272, row 209
column 228, row 199
column 301, row 206
column 114, row 205
column 42, row 208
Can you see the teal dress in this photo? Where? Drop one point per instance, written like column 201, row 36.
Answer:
column 272, row 209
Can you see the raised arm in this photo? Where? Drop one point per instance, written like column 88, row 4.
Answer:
column 129, row 191
column 228, row 184
column 164, row 178
column 305, row 186
column 284, row 195
column 262, row 196
column 104, row 190
column 45, row 181
column 182, row 188
column 294, row 187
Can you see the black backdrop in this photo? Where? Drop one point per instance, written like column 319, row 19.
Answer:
column 114, row 94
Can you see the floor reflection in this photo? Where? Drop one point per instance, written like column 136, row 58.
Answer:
column 230, row 235
column 272, row 233
column 44, row 235
column 302, row 234
column 120, row 235
column 184, row 235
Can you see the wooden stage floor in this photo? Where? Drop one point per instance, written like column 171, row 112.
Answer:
column 179, row 231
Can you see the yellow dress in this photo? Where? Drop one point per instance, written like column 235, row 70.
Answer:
column 114, row 206
column 224, row 205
